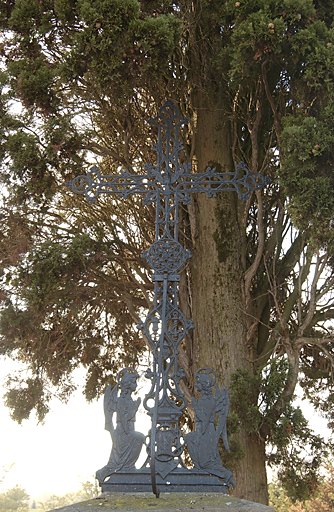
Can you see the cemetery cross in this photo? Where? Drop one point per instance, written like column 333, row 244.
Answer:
column 168, row 184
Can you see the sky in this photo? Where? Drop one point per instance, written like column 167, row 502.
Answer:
column 54, row 457
column 58, row 456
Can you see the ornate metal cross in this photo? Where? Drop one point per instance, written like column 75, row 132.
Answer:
column 168, row 184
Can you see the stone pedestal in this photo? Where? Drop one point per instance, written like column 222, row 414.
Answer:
column 168, row 502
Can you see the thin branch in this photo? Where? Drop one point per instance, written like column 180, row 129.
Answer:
column 251, row 271
column 277, row 120
column 279, row 406
column 305, row 340
column 323, row 314
column 273, row 291
column 319, row 268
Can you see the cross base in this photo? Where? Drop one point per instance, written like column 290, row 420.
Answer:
column 180, row 480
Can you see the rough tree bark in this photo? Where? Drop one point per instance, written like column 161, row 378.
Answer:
column 217, row 287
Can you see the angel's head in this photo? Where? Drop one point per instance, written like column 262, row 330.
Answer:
column 205, row 379
column 127, row 379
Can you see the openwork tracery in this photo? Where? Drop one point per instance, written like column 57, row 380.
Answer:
column 168, row 183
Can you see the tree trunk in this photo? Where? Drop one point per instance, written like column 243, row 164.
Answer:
column 217, row 282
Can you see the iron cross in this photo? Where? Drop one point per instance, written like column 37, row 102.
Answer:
column 168, row 183
column 168, row 178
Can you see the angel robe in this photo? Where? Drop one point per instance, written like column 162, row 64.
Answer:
column 203, row 442
column 127, row 443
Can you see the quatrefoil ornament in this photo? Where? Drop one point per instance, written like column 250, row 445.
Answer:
column 167, row 256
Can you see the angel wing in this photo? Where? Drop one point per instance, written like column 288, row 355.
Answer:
column 109, row 406
column 222, row 407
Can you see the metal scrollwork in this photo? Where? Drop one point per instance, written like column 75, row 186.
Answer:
column 166, row 256
column 169, row 182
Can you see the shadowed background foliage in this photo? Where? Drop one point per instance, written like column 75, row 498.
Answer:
column 79, row 79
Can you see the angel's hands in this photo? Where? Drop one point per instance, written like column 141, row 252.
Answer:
column 205, row 425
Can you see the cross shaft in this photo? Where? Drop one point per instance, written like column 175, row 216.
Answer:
column 168, row 184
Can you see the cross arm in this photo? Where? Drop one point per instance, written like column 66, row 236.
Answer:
column 241, row 180
column 93, row 184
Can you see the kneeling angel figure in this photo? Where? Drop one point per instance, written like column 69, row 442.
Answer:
column 126, row 442
column 211, row 408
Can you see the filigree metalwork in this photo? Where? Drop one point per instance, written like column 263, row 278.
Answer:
column 168, row 183
column 166, row 256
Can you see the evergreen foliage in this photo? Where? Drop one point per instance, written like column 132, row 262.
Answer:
column 322, row 501
column 78, row 79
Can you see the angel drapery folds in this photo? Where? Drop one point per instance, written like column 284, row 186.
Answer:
column 211, row 405
column 126, row 442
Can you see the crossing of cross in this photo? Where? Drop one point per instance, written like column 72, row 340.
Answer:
column 168, row 184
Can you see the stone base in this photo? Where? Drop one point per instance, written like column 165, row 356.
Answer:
column 173, row 502
column 179, row 480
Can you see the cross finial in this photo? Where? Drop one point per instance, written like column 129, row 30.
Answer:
column 168, row 116
column 168, row 167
